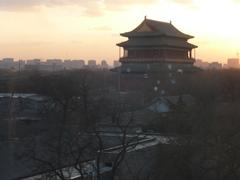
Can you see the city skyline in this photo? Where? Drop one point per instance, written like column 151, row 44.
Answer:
column 90, row 30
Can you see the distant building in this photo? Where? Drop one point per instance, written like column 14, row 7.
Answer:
column 20, row 65
column 74, row 64
column 54, row 64
column 225, row 66
column 8, row 60
column 201, row 64
column 233, row 63
column 7, row 63
column 215, row 65
column 92, row 63
column 104, row 64
column 78, row 64
column 116, row 64
column 67, row 64
column 10, row 64
column 34, row 62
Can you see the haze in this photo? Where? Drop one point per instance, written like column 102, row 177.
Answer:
column 80, row 29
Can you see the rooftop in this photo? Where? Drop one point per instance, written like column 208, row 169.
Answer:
column 156, row 28
column 152, row 42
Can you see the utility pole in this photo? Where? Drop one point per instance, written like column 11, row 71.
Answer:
column 19, row 68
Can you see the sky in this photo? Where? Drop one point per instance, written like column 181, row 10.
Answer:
column 89, row 29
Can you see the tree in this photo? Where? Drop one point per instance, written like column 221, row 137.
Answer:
column 76, row 104
column 210, row 150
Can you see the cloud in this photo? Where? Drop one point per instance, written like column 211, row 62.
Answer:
column 187, row 4
column 89, row 7
column 30, row 3
column 125, row 3
column 183, row 1
column 101, row 28
column 12, row 5
column 29, row 43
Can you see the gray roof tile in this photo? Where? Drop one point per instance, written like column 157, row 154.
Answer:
column 158, row 28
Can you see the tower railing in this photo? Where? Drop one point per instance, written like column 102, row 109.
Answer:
column 157, row 60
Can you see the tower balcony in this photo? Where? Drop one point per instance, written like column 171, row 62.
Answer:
column 157, row 60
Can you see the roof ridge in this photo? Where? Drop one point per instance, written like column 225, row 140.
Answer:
column 159, row 28
column 158, row 21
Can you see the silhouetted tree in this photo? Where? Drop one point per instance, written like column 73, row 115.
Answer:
column 76, row 104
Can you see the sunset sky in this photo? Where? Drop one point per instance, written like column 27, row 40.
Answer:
column 89, row 29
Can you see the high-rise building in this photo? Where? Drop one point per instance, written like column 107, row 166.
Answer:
column 57, row 62
column 201, row 64
column 92, row 63
column 78, row 64
column 74, row 64
column 215, row 65
column 20, row 65
column 104, row 64
column 233, row 63
column 53, row 65
column 7, row 63
column 34, row 62
column 8, row 60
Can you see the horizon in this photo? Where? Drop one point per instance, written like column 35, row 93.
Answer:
column 90, row 30
column 99, row 61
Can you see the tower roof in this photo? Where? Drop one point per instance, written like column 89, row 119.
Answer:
column 156, row 43
column 156, row 28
